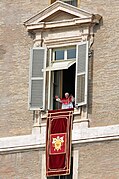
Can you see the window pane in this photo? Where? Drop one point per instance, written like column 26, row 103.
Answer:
column 71, row 53
column 59, row 55
column 72, row 2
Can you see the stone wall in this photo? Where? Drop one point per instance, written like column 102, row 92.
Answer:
column 15, row 44
column 99, row 160
column 25, row 165
column 104, row 83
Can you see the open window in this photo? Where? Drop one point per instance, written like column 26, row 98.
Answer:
column 64, row 70
column 63, row 67
column 64, row 81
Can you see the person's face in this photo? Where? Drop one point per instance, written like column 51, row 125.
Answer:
column 66, row 95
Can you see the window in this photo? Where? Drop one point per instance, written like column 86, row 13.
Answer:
column 72, row 2
column 63, row 79
column 64, row 53
column 61, row 70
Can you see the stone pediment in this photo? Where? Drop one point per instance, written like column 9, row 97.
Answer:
column 59, row 16
column 56, row 14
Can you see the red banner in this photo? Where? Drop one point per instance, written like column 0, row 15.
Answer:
column 58, row 142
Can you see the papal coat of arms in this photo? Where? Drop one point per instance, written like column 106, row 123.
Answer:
column 57, row 143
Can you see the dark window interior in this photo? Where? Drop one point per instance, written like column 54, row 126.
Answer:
column 69, row 80
column 68, row 84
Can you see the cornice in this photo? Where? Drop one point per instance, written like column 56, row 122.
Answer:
column 59, row 24
column 36, row 141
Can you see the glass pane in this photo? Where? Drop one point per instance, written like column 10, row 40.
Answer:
column 72, row 2
column 59, row 55
column 71, row 53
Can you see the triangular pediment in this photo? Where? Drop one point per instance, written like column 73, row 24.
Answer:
column 56, row 12
column 59, row 16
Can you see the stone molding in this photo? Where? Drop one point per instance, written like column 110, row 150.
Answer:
column 37, row 139
column 53, row 8
column 42, row 20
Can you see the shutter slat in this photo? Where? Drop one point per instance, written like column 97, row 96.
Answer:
column 80, row 88
column 81, row 62
column 36, row 95
column 36, row 78
column 37, row 62
column 81, row 74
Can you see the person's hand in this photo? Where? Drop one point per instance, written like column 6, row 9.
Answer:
column 56, row 97
column 71, row 96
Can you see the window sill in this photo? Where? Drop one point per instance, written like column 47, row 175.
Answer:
column 76, row 112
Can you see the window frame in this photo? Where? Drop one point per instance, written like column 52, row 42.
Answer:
column 51, row 73
column 50, row 98
column 65, row 48
column 81, row 87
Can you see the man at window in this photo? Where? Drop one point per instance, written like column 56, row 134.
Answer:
column 66, row 102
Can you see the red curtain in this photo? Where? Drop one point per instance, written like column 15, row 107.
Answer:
column 58, row 142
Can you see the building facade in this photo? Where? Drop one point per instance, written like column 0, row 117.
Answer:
column 49, row 48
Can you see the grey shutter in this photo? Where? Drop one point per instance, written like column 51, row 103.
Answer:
column 37, row 78
column 81, row 74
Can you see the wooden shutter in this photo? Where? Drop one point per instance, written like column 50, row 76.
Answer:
column 81, row 74
column 37, row 90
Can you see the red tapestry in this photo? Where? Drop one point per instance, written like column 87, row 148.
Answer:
column 58, row 142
